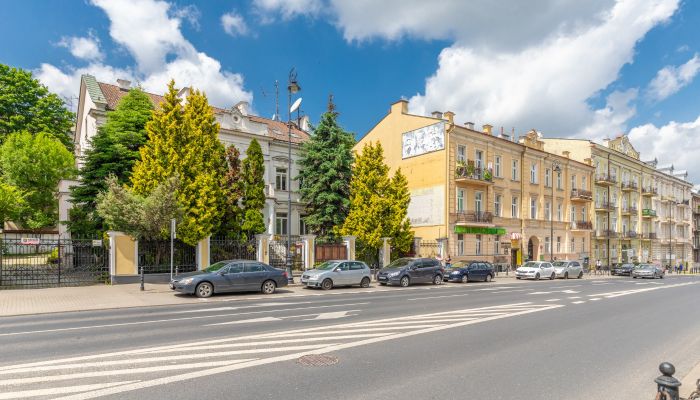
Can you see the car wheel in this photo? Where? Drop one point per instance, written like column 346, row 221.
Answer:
column 204, row 290
column 365, row 282
column 437, row 280
column 327, row 284
column 580, row 275
column 269, row 286
column 489, row 278
column 537, row 276
column 405, row 281
column 634, row 277
column 382, row 283
column 661, row 276
column 552, row 276
column 566, row 275
column 465, row 278
column 517, row 277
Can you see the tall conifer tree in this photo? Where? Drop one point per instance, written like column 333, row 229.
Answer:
column 233, row 194
column 253, row 190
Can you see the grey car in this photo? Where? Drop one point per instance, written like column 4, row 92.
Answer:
column 231, row 276
column 337, row 273
column 647, row 271
column 568, row 269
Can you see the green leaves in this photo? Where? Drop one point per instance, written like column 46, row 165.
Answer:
column 11, row 202
column 253, row 169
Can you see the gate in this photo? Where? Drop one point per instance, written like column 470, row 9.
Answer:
column 40, row 263
column 330, row 251
column 228, row 249
column 154, row 256
column 278, row 252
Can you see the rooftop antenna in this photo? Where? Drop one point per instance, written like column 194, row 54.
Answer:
column 277, row 100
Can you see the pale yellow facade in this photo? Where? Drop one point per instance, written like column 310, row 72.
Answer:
column 486, row 196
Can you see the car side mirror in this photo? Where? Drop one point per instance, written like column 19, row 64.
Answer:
column 336, row 269
column 220, row 272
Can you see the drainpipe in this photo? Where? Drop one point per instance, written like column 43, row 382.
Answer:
column 522, row 199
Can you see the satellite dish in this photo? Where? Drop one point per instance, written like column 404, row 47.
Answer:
column 296, row 105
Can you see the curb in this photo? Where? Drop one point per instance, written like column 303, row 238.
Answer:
column 688, row 383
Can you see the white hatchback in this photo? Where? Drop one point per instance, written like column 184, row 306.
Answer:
column 568, row 269
column 536, row 270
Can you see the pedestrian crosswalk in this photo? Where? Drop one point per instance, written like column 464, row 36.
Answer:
column 96, row 375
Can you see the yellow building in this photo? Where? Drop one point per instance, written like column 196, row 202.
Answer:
column 483, row 195
column 642, row 210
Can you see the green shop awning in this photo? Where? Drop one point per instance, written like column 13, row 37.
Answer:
column 481, row 230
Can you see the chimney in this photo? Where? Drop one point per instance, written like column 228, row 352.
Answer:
column 450, row 117
column 124, row 84
column 400, row 106
column 437, row 114
column 243, row 107
column 487, row 129
column 469, row 125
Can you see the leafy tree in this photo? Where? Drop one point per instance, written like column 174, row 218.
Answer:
column 11, row 202
column 183, row 141
column 326, row 169
column 27, row 105
column 113, row 151
column 34, row 164
column 253, row 190
column 141, row 217
column 378, row 204
column 233, row 193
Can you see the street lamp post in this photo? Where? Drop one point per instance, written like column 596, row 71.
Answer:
column 555, row 168
column 292, row 87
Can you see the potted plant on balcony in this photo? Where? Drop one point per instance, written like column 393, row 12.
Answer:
column 488, row 175
column 470, row 170
column 460, row 169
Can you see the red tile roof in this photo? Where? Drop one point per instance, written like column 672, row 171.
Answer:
column 276, row 129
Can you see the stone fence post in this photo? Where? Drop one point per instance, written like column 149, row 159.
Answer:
column 350, row 246
column 123, row 256
column 203, row 253
column 416, row 246
column 308, row 251
column 386, row 251
column 263, row 247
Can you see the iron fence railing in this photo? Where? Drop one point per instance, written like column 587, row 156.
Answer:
column 221, row 249
column 154, row 256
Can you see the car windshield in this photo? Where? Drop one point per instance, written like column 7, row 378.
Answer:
column 400, row 263
column 531, row 264
column 559, row 264
column 460, row 264
column 216, row 266
column 328, row 265
column 646, row 267
column 627, row 266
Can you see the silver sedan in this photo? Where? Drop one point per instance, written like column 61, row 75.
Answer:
column 647, row 271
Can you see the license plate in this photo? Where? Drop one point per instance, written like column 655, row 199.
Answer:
column 382, row 278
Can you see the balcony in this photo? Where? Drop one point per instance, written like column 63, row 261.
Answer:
column 629, row 210
column 581, row 195
column 684, row 203
column 649, row 236
column 472, row 175
column 648, row 213
column 604, row 206
column 649, row 191
column 581, row 225
column 630, row 235
column 473, row 218
column 605, row 234
column 605, row 180
column 629, row 186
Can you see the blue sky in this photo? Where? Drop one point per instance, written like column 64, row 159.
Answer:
column 568, row 68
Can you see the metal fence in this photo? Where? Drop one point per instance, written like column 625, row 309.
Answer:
column 40, row 263
column 154, row 256
column 230, row 249
column 278, row 252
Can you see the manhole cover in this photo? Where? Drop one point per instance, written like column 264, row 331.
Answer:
column 317, row 360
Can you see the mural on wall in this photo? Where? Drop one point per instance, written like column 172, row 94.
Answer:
column 424, row 140
column 427, row 206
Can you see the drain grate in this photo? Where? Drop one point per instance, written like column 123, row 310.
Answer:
column 317, row 360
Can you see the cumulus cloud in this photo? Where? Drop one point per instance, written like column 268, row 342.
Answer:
column 234, row 24
column 84, row 48
column 611, row 120
column 671, row 79
column 150, row 31
column 287, row 9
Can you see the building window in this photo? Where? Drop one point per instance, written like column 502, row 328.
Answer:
column 533, row 173
column 558, row 244
column 533, row 208
column 462, row 153
column 514, row 207
column 496, row 244
column 559, row 212
column 573, row 182
column 497, row 164
column 460, row 244
column 584, row 184
column 573, row 214
column 497, row 205
column 583, row 244
column 478, row 245
column 559, row 180
column 281, row 179
column 303, row 229
column 547, row 211
column 546, row 244
column 281, row 223
column 479, row 159
column 477, row 202
column 514, row 170
column 547, row 177
column 583, row 213
column 572, row 249
column 460, row 200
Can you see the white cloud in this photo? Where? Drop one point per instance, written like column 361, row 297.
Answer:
column 84, row 48
column 287, row 9
column 150, row 31
column 675, row 142
column 189, row 13
column 670, row 79
column 234, row 24
column 611, row 120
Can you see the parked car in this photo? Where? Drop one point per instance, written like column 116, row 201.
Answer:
column 406, row 271
column 231, row 276
column 465, row 271
column 566, row 269
column 536, row 270
column 648, row 271
column 338, row 273
column 623, row 269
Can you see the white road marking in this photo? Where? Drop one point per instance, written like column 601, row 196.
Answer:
column 60, row 390
column 437, row 297
column 540, row 293
column 570, row 291
column 574, row 297
column 564, row 287
column 594, row 298
column 641, row 290
column 552, row 300
column 205, row 310
column 577, row 302
column 332, row 315
column 247, row 321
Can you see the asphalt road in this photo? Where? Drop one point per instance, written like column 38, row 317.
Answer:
column 563, row 339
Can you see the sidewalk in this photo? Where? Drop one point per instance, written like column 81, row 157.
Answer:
column 689, row 381
column 104, row 297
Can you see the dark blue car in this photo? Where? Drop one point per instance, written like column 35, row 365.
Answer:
column 231, row 276
column 465, row 271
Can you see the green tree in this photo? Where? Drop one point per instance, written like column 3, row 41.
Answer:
column 27, row 105
column 183, row 141
column 253, row 191
column 11, row 202
column 326, row 169
column 233, row 193
column 113, row 151
column 34, row 164
column 378, row 204
column 141, row 217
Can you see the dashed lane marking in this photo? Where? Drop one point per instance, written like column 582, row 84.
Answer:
column 438, row 297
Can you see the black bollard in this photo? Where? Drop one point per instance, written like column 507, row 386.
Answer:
column 667, row 384
column 142, row 276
